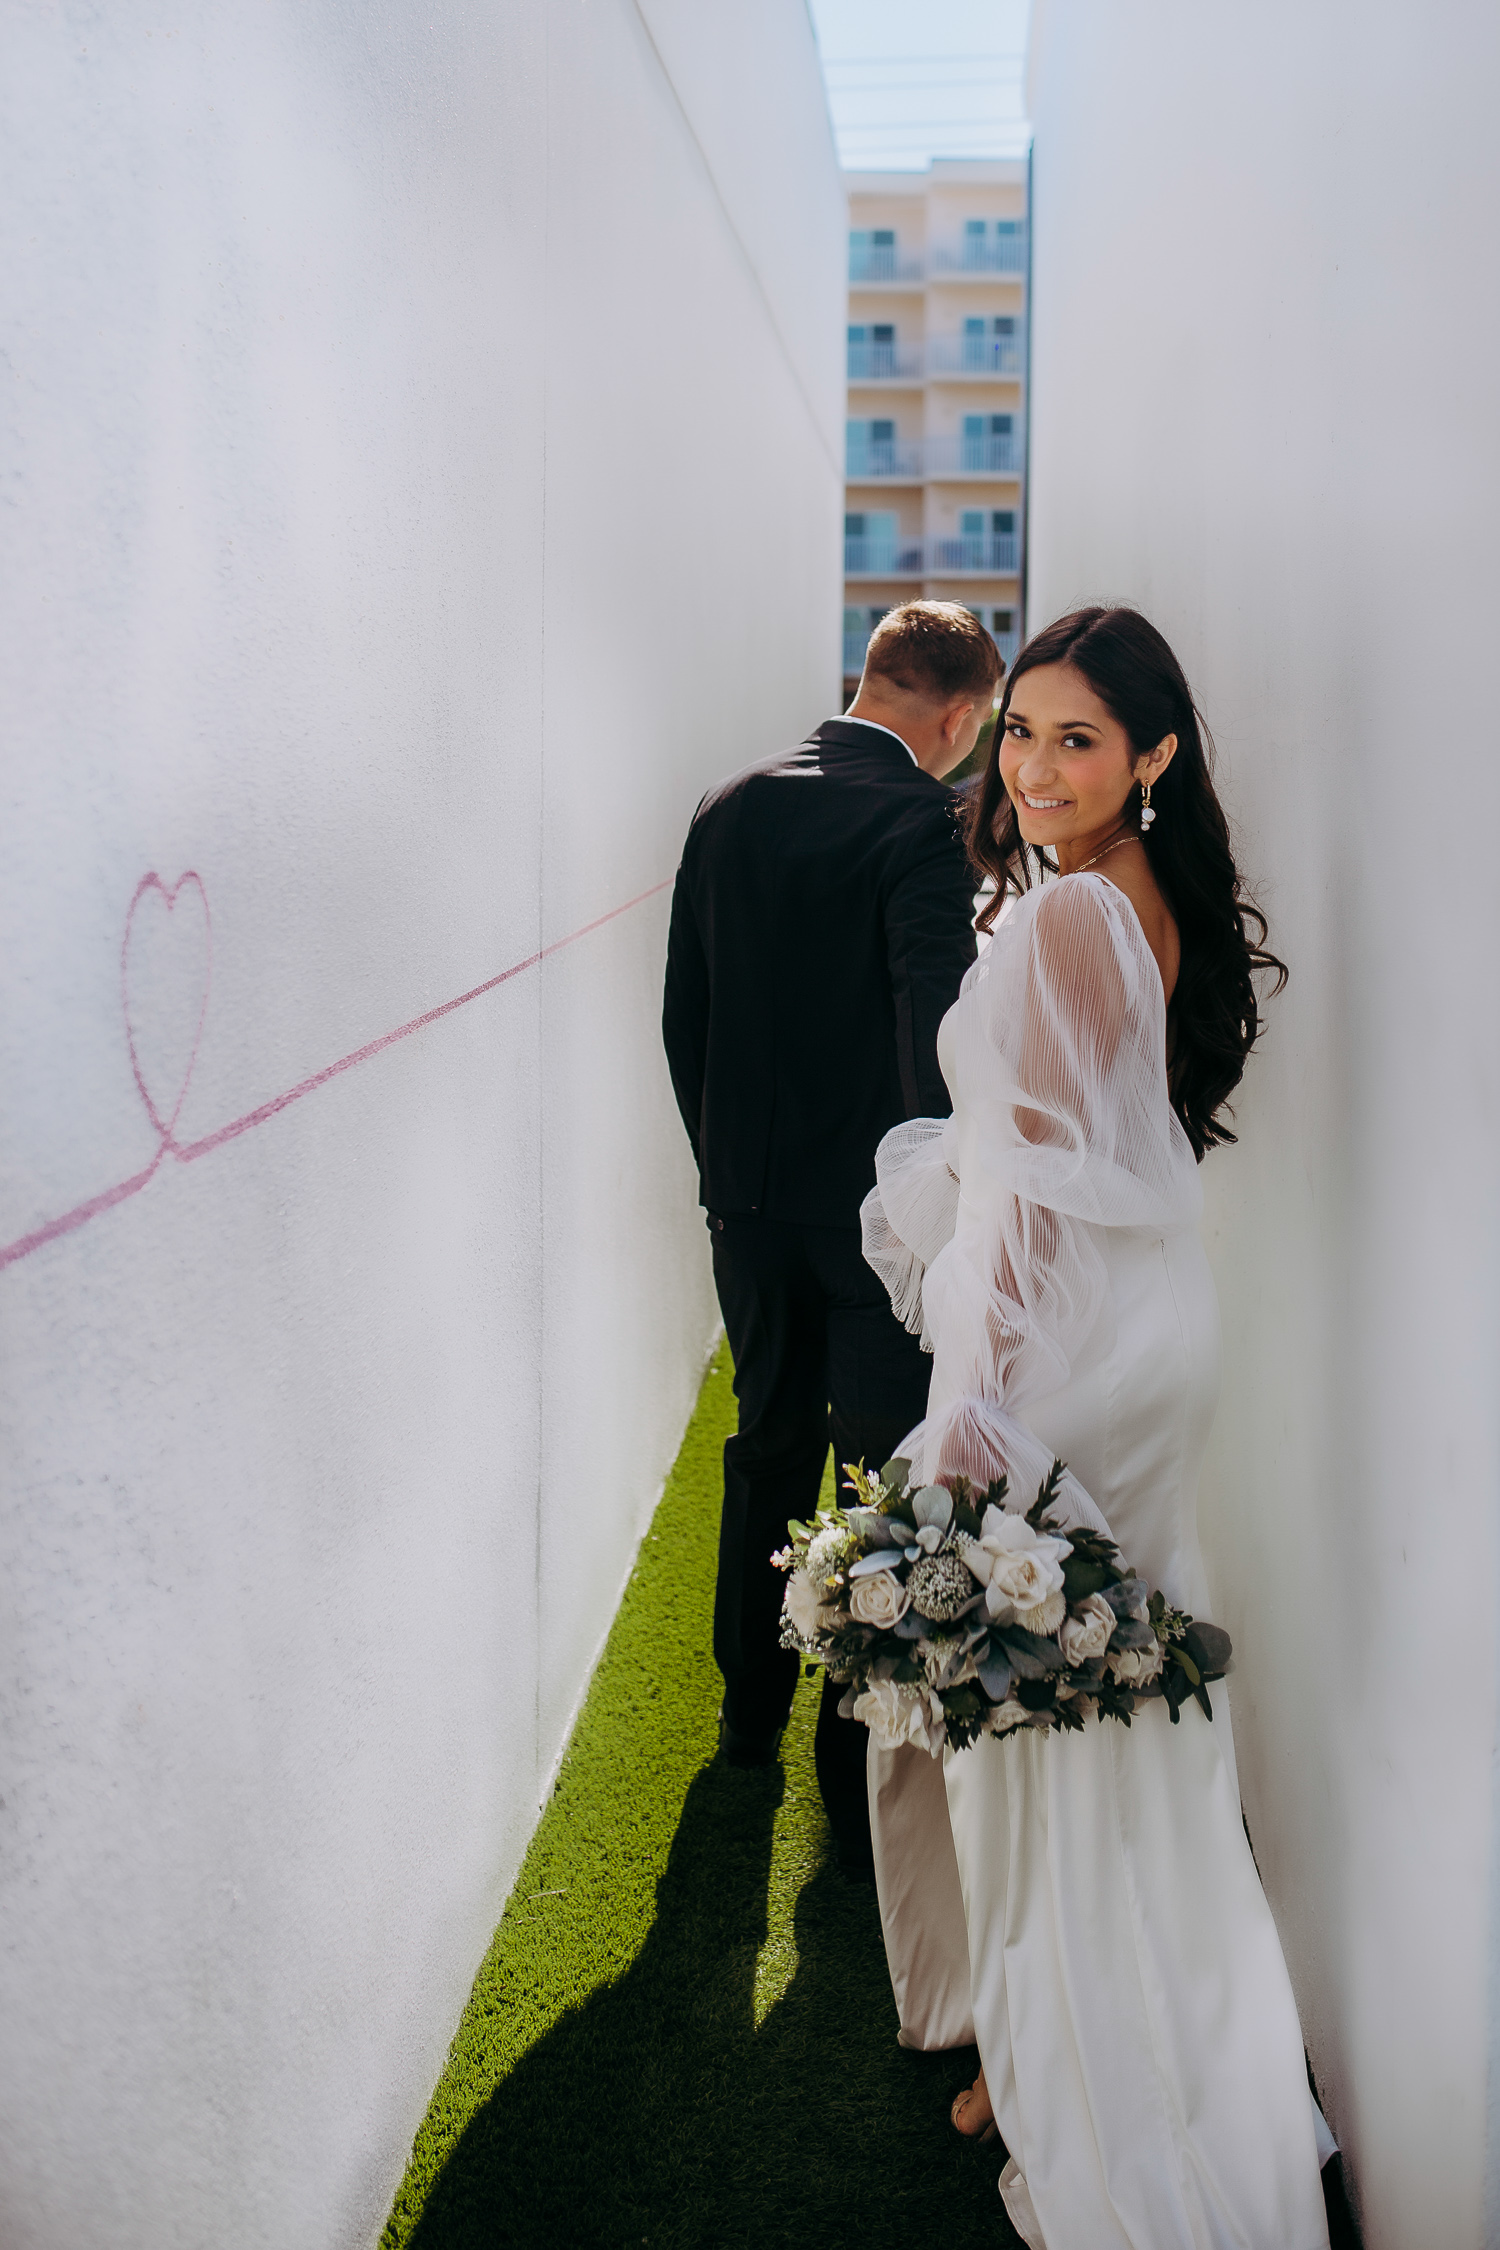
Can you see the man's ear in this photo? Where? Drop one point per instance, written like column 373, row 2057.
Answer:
column 956, row 717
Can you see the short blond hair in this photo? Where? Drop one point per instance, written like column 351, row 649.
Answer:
column 934, row 649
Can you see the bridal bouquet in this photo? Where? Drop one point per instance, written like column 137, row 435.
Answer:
column 951, row 1616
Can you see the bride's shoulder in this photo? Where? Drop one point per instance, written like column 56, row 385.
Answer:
column 1074, row 941
column 1070, row 908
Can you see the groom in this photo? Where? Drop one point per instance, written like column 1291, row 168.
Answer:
column 821, row 925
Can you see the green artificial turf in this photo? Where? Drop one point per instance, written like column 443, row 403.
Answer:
column 683, row 2033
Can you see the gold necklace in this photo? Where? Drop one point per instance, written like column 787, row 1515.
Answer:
column 1127, row 838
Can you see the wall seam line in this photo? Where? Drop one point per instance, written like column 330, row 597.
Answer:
column 740, row 244
column 541, row 904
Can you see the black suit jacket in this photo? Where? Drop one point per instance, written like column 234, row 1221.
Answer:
column 822, row 922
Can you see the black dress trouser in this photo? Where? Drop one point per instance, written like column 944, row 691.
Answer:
column 818, row 1356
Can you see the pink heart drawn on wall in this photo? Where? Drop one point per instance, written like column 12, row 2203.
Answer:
column 165, row 963
column 165, row 958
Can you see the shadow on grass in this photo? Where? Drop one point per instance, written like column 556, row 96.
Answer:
column 659, row 2113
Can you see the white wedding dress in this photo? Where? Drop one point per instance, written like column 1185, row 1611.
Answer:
column 1121, row 1971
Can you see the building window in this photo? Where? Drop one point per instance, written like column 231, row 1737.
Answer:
column 872, row 254
column 859, row 624
column 994, row 247
column 986, row 548
column 870, row 448
column 992, row 347
column 872, row 349
column 989, row 443
column 870, row 540
column 1005, row 633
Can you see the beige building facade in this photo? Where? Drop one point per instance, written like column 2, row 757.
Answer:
column 935, row 443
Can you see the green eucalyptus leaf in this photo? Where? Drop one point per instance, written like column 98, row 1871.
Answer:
column 1180, row 1656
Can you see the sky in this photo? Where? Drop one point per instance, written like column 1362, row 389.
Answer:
column 912, row 79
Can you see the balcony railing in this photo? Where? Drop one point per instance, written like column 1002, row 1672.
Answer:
column 987, row 551
column 879, row 363
column 1005, row 253
column 881, row 457
column 992, row 454
column 881, row 261
column 874, row 554
column 879, row 555
column 1009, row 645
column 977, row 355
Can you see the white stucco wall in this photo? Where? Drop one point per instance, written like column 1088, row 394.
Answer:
column 1265, row 335
column 424, row 467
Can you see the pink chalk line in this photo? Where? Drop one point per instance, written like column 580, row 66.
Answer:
column 188, row 1152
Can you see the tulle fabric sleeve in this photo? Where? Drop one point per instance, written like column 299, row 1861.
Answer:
column 908, row 1216
column 1062, row 1126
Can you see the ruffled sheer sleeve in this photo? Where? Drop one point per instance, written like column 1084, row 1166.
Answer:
column 1056, row 1053
column 908, row 1216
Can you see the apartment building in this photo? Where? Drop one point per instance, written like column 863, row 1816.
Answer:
column 936, row 438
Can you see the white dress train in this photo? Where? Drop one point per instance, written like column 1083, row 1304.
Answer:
column 1124, row 1981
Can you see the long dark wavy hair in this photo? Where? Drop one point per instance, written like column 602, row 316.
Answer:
column 1215, row 1015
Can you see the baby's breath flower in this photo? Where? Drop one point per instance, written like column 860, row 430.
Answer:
column 829, row 1554
column 940, row 1585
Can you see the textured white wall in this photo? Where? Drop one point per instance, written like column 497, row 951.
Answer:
column 1265, row 340
column 424, row 473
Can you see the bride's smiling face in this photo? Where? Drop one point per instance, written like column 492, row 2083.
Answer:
column 1067, row 762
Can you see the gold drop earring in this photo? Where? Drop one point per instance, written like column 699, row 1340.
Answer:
column 1147, row 815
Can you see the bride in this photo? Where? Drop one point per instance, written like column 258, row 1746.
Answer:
column 1142, row 2056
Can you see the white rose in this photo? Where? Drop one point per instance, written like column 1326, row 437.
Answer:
column 1136, row 1667
column 1005, row 1716
column 1023, row 1582
column 808, row 1615
column 1018, row 1567
column 894, row 1713
column 878, row 1598
column 1085, row 1635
